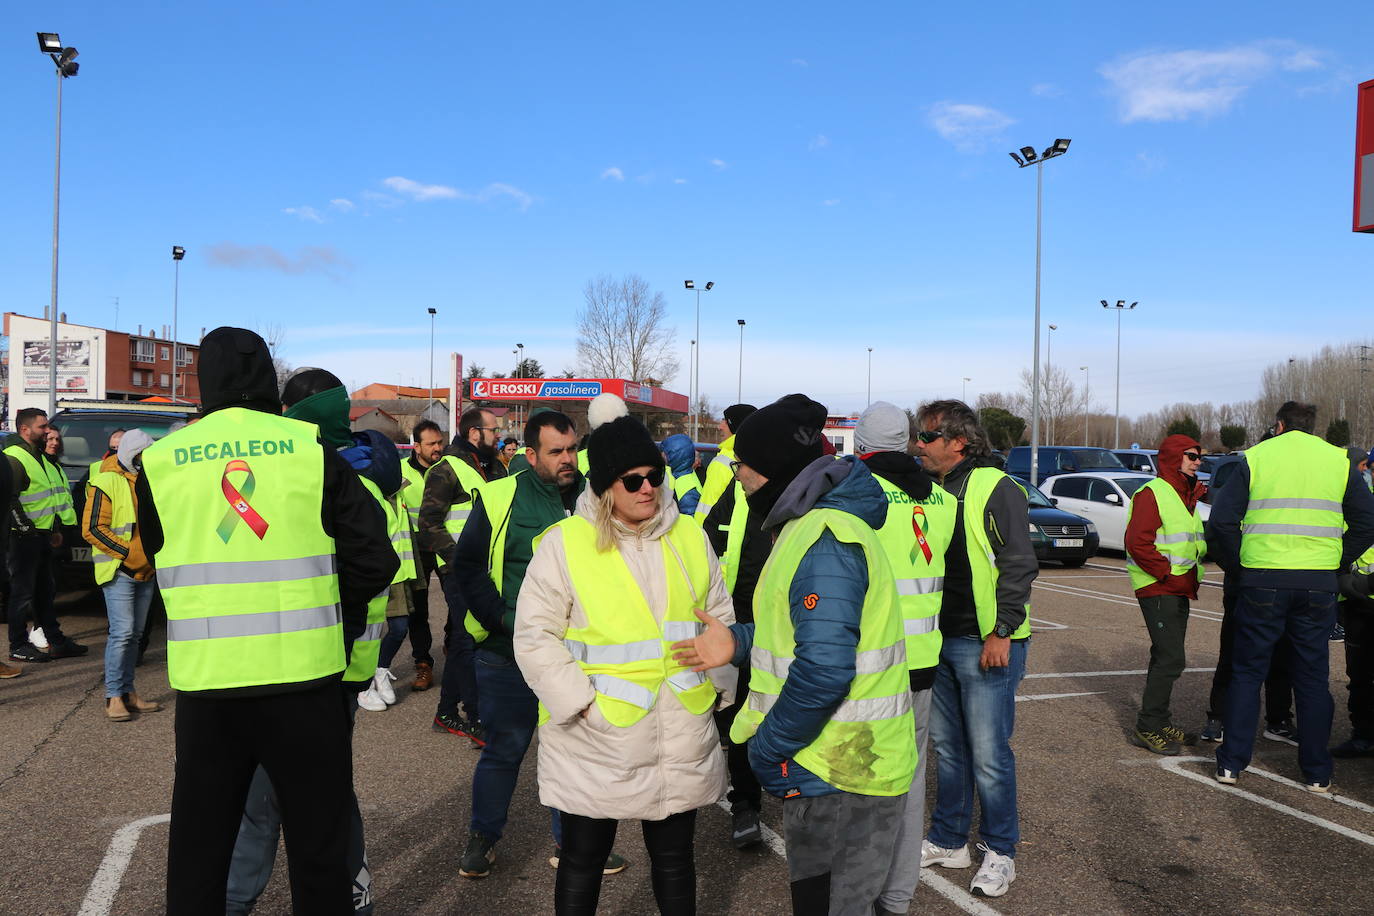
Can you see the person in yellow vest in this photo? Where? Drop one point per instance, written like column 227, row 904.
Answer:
column 35, row 532
column 1164, row 549
column 919, row 527
column 718, row 475
column 267, row 550
column 122, row 570
column 1289, row 523
column 428, row 441
column 680, row 454
column 625, row 731
column 450, row 485
column 828, row 718
column 985, row 633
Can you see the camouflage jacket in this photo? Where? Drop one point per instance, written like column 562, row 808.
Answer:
column 442, row 491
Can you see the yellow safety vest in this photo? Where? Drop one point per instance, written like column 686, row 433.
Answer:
column 413, row 493
column 624, row 651
column 869, row 745
column 1179, row 537
column 1294, row 519
column 42, row 500
column 246, row 569
column 718, row 478
column 458, row 513
column 978, row 487
column 362, row 664
column 66, row 511
column 497, row 499
column 734, row 538
column 683, row 485
column 119, row 491
column 915, row 538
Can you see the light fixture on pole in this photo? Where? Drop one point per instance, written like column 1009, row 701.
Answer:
column 696, row 355
column 964, row 396
column 1085, row 405
column 739, row 386
column 870, row 376
column 1120, row 307
column 65, row 59
column 520, row 372
column 1028, row 157
column 177, row 254
column 432, row 313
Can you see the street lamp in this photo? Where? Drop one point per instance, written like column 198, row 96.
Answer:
column 1049, row 376
column 65, row 60
column 696, row 358
column 1085, row 404
column 1120, row 307
column 870, row 376
column 1028, row 157
column 739, row 389
column 964, row 396
column 177, row 254
column 432, row 313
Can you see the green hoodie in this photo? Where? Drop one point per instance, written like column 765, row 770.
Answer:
column 328, row 410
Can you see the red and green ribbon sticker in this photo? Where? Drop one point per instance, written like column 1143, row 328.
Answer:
column 239, row 509
column 917, row 513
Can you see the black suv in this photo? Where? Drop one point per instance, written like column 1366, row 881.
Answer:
column 1059, row 459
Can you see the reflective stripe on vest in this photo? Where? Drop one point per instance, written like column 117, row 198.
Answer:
column 413, row 493
column 1293, row 518
column 498, row 497
column 624, row 649
column 875, row 714
column 1179, row 537
column 66, row 509
column 718, row 478
column 734, row 538
column 362, row 663
column 41, row 500
column 919, row 567
column 458, row 513
column 978, row 487
column 119, row 491
column 228, row 521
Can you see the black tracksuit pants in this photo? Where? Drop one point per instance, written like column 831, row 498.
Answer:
column 302, row 741
column 1359, row 665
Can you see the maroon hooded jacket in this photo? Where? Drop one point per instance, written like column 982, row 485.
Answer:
column 1140, row 531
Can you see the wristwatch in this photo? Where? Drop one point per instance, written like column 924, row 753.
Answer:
column 1002, row 631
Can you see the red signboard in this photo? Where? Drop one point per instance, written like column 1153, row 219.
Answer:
column 574, row 389
column 1364, row 158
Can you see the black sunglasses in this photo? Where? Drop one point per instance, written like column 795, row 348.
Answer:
column 634, row 482
column 1192, row 456
column 929, row 436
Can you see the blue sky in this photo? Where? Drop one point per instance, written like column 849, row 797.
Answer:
column 840, row 172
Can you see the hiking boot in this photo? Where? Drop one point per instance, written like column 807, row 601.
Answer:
column 1282, row 731
column 116, row 711
column 1212, row 731
column 381, row 682
column 1227, row 777
column 1354, row 747
column 68, row 649
column 949, row 858
column 994, row 875
column 1155, row 743
column 615, row 863
column 1174, row 733
column 370, row 700
column 478, row 857
column 138, row 704
column 455, row 724
column 745, row 830
column 29, row 654
column 36, row 638
column 9, row 671
column 424, row 676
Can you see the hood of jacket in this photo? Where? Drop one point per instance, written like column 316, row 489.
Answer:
column 236, row 371
column 831, row 483
column 374, row 456
column 681, row 453
column 902, row 471
column 1169, row 459
column 651, row 530
column 328, row 410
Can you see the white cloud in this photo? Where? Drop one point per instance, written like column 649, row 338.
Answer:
column 968, row 127
column 679, row 181
column 342, row 204
column 498, row 189
column 820, row 141
column 309, row 214
column 1178, row 85
column 417, row 191
column 719, row 163
column 613, row 172
column 831, row 202
column 426, row 192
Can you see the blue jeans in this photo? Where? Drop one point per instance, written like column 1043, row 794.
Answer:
column 396, row 629
column 126, row 606
column 972, row 716
column 1263, row 616
column 510, row 712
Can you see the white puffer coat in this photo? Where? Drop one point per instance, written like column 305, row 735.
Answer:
column 668, row 762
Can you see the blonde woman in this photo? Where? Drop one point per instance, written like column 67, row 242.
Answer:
column 625, row 732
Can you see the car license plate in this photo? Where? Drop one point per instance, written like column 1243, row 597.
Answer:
column 81, row 554
column 1068, row 542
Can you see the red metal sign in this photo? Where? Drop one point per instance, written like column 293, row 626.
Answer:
column 1364, row 158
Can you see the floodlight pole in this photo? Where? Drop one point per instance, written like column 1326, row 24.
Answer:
column 56, row 209
column 739, row 385
column 1085, row 405
column 870, row 378
column 1120, row 307
column 176, row 296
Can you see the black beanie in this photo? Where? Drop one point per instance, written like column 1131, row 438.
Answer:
column 617, row 446
column 306, row 382
column 782, row 438
column 736, row 414
column 236, row 371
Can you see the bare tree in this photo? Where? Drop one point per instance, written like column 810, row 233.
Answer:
column 622, row 330
column 273, row 334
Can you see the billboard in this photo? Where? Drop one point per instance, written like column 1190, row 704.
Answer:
column 575, row 389
column 1364, row 158
column 73, row 366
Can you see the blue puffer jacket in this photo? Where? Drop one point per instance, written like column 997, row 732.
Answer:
column 827, row 636
column 374, row 456
column 681, row 453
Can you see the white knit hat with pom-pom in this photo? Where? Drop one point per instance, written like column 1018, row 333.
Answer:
column 604, row 408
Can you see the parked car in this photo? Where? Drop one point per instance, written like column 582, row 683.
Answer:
column 1059, row 459
column 1139, row 459
column 1222, row 469
column 1104, row 497
column 1058, row 535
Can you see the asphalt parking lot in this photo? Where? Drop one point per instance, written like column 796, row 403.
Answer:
column 1107, row 828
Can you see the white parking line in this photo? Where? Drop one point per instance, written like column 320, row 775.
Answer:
column 1055, row 696
column 105, row 885
column 1104, row 673
column 942, row 886
column 1175, row 765
column 1038, row 624
column 1203, row 613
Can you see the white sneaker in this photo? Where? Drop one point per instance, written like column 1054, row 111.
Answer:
column 37, row 639
column 370, row 700
column 994, row 875
column 949, row 858
column 381, row 682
